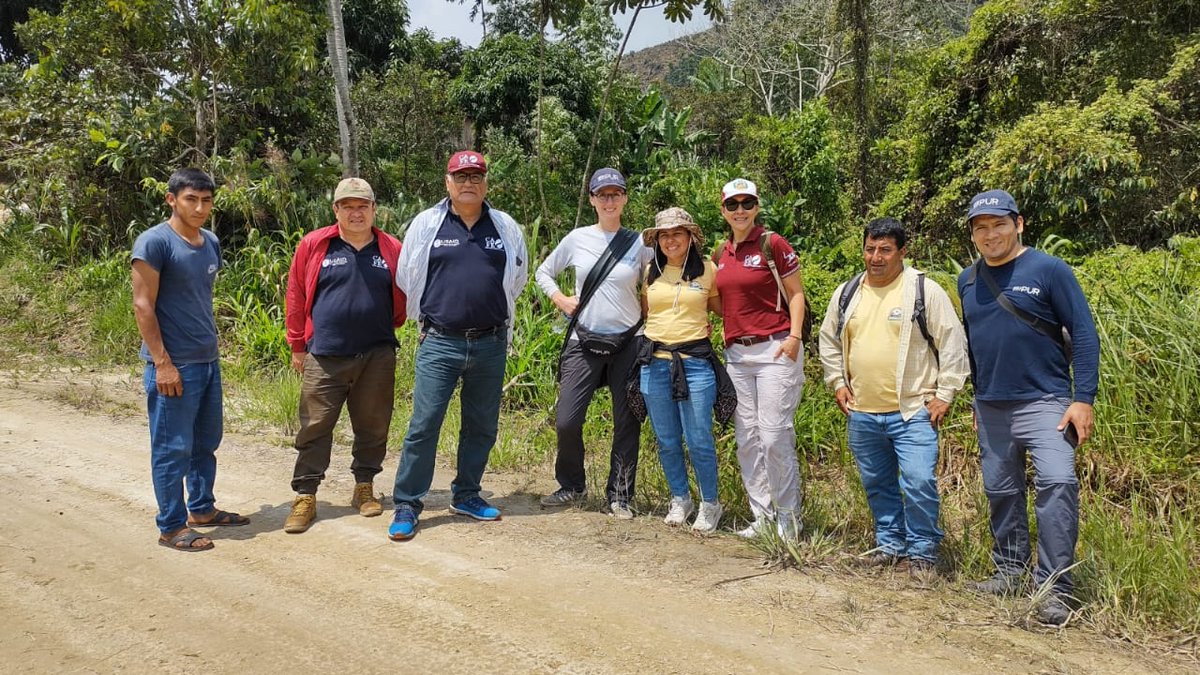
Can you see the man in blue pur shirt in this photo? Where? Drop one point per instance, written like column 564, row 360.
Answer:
column 462, row 266
column 1028, row 327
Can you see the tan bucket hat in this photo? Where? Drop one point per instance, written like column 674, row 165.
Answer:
column 670, row 219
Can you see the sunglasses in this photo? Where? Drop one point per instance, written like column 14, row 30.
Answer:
column 745, row 204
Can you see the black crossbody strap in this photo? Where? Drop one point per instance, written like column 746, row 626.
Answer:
column 1050, row 330
column 844, row 302
column 617, row 248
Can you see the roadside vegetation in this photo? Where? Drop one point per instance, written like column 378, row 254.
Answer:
column 1088, row 112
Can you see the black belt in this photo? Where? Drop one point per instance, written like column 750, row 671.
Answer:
column 747, row 340
column 468, row 333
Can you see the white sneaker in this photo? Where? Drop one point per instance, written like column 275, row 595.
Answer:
column 754, row 528
column 708, row 517
column 789, row 526
column 621, row 510
column 680, row 509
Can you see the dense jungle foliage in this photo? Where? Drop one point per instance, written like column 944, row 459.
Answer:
column 1088, row 111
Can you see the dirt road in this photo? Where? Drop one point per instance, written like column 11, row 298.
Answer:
column 85, row 588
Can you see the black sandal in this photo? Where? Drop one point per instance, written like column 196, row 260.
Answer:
column 186, row 537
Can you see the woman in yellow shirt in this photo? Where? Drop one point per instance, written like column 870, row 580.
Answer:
column 679, row 378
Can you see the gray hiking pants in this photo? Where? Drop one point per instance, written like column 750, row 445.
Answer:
column 1007, row 430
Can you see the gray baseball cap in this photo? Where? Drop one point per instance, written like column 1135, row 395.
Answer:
column 992, row 203
column 606, row 177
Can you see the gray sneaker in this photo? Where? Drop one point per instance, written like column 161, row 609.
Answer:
column 1053, row 611
column 620, row 510
column 999, row 584
column 878, row 559
column 564, row 497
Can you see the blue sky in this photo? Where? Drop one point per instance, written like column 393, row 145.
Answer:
column 450, row 19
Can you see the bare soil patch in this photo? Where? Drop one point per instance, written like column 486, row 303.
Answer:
column 87, row 589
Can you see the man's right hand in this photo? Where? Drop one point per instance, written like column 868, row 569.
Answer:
column 298, row 361
column 167, row 379
column 845, row 399
column 567, row 304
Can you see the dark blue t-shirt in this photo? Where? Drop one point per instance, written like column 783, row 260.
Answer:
column 1012, row 361
column 185, row 301
column 352, row 306
column 465, row 284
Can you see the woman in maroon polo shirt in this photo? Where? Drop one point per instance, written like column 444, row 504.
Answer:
column 765, row 358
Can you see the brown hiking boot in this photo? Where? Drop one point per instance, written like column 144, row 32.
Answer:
column 364, row 500
column 304, row 512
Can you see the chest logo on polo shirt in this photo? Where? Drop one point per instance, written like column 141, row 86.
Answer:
column 212, row 269
column 334, row 262
column 753, row 261
column 493, row 243
column 894, row 315
column 438, row 243
column 379, row 262
column 1029, row 290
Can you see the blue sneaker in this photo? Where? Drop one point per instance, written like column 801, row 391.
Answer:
column 404, row 523
column 476, row 508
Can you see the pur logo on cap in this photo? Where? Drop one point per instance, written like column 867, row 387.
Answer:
column 993, row 201
column 607, row 176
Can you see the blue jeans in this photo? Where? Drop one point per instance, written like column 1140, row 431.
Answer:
column 897, row 461
column 184, row 434
column 442, row 361
column 691, row 419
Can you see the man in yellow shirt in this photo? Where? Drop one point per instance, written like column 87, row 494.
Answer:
column 894, row 352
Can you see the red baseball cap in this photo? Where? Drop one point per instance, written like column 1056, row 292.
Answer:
column 466, row 159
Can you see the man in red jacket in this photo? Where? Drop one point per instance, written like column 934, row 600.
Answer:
column 343, row 307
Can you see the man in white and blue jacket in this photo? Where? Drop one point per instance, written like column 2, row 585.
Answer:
column 462, row 266
column 1016, row 303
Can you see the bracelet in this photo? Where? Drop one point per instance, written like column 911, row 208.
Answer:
column 795, row 336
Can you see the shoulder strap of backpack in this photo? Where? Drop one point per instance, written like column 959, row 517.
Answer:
column 764, row 245
column 844, row 301
column 919, row 315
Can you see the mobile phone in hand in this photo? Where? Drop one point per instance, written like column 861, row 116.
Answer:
column 1071, row 435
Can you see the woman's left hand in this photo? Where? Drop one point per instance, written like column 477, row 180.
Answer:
column 790, row 347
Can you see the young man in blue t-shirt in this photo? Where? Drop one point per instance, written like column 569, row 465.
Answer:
column 174, row 264
column 1016, row 302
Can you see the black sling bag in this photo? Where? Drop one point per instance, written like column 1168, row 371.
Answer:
column 1054, row 331
column 598, row 344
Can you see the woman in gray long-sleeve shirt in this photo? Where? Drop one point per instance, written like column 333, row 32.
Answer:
column 614, row 309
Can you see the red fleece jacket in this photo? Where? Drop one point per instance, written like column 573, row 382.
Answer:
column 302, row 282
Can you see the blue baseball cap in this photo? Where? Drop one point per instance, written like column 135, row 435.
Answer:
column 606, row 177
column 992, row 203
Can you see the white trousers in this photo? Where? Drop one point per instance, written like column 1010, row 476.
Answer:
column 768, row 391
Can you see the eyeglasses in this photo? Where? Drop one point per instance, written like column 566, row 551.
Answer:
column 474, row 178
column 610, row 197
column 745, row 204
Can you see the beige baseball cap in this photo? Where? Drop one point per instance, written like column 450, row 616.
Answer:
column 353, row 188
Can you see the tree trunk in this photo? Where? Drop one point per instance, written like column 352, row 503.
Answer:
column 855, row 14
column 541, row 87
column 336, row 37
column 612, row 75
